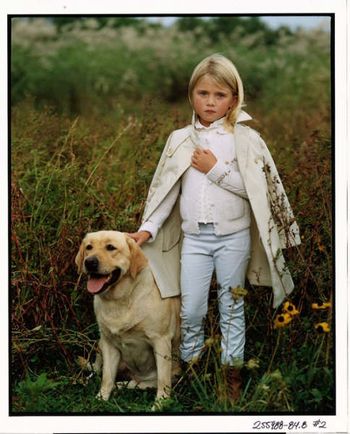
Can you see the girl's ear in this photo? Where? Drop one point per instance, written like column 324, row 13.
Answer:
column 234, row 103
column 232, row 106
column 79, row 259
column 138, row 260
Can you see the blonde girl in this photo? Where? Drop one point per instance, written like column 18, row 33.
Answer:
column 216, row 203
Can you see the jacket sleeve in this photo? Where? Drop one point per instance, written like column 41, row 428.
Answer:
column 280, row 207
column 227, row 176
column 162, row 212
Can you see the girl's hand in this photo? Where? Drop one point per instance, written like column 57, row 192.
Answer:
column 140, row 237
column 203, row 160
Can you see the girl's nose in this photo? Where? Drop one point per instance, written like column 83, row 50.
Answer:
column 210, row 100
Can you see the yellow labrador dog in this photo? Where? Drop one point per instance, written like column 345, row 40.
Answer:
column 138, row 329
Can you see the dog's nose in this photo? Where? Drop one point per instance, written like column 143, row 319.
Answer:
column 91, row 264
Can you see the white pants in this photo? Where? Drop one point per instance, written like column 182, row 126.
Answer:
column 229, row 256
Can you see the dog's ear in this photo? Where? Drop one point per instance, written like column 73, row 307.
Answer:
column 138, row 260
column 79, row 259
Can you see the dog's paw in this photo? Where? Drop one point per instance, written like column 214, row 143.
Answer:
column 160, row 404
column 102, row 396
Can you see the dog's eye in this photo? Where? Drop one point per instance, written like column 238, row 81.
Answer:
column 110, row 247
column 89, row 247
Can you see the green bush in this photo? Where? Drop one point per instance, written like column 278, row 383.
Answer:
column 84, row 67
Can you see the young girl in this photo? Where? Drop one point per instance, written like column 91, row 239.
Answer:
column 216, row 202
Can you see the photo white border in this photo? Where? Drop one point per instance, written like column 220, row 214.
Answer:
column 202, row 424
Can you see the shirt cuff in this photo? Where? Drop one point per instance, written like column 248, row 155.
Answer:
column 149, row 227
column 218, row 172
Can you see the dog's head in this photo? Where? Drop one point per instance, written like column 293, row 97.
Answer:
column 106, row 257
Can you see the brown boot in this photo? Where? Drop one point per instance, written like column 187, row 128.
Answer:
column 234, row 383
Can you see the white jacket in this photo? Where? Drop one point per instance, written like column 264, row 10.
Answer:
column 273, row 226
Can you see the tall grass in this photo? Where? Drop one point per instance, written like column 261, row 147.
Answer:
column 86, row 165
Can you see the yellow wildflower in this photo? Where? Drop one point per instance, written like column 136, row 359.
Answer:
column 321, row 306
column 322, row 327
column 276, row 375
column 289, row 308
column 209, row 342
column 252, row 364
column 282, row 320
column 238, row 292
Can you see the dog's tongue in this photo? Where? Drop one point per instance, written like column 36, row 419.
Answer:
column 95, row 283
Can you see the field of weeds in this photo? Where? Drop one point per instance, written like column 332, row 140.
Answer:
column 93, row 102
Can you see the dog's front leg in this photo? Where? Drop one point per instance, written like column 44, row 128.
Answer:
column 162, row 352
column 111, row 359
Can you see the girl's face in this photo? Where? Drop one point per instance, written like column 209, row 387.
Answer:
column 210, row 100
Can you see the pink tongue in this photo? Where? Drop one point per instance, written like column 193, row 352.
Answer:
column 95, row 284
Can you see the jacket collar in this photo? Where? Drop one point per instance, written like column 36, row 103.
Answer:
column 242, row 117
column 219, row 124
column 192, row 132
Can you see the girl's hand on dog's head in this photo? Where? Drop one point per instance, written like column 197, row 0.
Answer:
column 140, row 237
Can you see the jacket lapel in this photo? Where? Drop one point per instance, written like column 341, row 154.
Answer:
column 175, row 165
column 183, row 157
column 181, row 139
column 242, row 146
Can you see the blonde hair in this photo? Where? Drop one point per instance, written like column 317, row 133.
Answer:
column 224, row 72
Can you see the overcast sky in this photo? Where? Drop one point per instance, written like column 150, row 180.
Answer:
column 297, row 21
column 278, row 20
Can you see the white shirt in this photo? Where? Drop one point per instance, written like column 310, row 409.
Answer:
column 215, row 197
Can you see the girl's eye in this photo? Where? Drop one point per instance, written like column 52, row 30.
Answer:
column 110, row 247
column 89, row 247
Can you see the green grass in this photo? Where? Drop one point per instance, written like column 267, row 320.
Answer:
column 293, row 387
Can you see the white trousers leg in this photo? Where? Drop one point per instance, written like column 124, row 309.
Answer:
column 229, row 256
